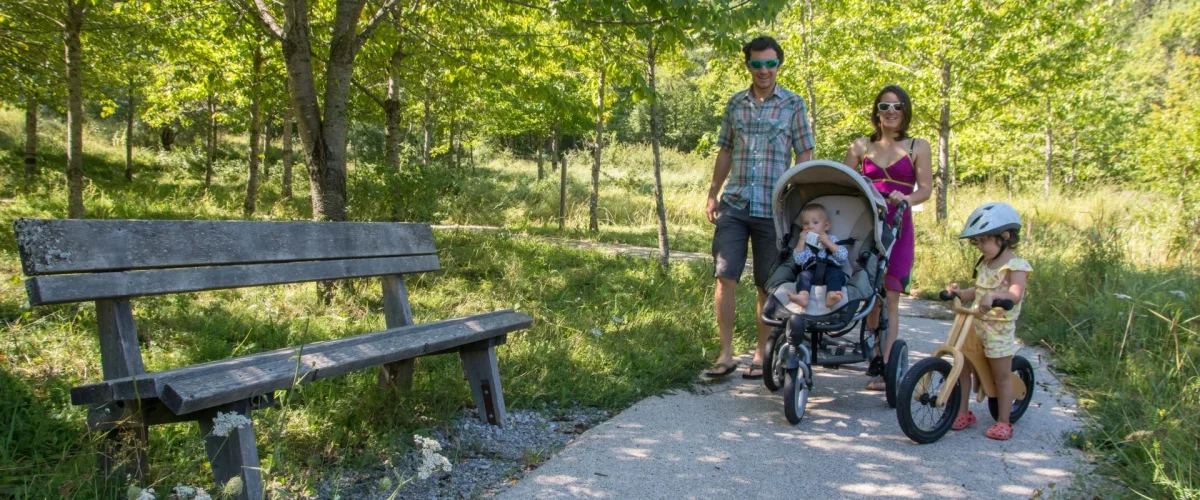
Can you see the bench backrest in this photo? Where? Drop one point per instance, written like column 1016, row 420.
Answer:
column 71, row 260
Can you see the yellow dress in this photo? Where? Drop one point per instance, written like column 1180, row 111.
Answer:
column 997, row 329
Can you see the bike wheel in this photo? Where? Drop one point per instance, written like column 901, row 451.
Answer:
column 795, row 394
column 897, row 366
column 775, row 355
column 919, row 418
column 1024, row 370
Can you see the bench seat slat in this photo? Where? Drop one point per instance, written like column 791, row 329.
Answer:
column 150, row 384
column 55, row 246
column 211, row 384
column 66, row 288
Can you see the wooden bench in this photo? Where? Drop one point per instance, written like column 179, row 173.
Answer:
column 112, row 261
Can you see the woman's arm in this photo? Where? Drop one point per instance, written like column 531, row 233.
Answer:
column 853, row 154
column 924, row 173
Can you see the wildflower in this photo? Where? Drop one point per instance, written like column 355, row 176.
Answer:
column 225, row 423
column 189, row 493
column 596, row 331
column 1179, row 293
column 431, row 461
column 135, row 493
column 232, row 488
column 1122, row 296
column 618, row 320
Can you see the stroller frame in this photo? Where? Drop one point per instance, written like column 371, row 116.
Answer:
column 798, row 343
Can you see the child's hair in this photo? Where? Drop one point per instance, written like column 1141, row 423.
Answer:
column 814, row 207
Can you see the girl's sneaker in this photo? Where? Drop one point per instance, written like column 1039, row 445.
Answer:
column 1000, row 432
column 963, row 421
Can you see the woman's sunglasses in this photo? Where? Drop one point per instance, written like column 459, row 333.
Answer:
column 760, row 64
column 888, row 106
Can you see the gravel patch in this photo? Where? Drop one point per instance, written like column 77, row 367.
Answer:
column 485, row 459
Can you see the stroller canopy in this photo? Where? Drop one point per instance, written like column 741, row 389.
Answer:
column 814, row 179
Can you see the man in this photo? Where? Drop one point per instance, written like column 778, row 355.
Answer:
column 762, row 127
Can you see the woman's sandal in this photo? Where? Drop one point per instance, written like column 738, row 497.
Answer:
column 1000, row 432
column 963, row 421
column 721, row 369
column 876, row 384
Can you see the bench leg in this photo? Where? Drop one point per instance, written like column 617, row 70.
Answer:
column 479, row 363
column 397, row 376
column 122, row 446
column 234, row 455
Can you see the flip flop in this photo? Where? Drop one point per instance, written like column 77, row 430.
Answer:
column 721, row 369
column 750, row 372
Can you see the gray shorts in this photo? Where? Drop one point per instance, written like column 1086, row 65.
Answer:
column 734, row 228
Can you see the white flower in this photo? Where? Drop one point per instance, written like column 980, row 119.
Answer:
column 618, row 320
column 431, row 461
column 190, row 493
column 225, row 423
column 596, row 331
column 1179, row 293
column 1122, row 296
column 135, row 493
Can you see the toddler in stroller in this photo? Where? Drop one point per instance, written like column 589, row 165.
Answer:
column 818, row 256
column 807, row 335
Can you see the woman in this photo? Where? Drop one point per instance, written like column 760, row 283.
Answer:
column 899, row 166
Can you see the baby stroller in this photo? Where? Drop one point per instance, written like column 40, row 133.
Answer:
column 801, row 339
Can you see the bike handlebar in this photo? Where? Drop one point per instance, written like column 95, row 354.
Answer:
column 1006, row 304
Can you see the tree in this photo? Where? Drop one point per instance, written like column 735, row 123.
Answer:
column 323, row 123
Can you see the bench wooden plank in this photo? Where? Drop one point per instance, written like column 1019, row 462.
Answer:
column 55, row 246
column 59, row 289
column 194, row 393
column 150, row 385
column 234, row 455
column 397, row 313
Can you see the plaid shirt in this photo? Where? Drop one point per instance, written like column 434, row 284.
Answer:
column 762, row 138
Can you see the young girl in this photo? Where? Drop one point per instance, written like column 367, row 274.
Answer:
column 1000, row 274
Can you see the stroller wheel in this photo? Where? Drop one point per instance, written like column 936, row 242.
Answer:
column 897, row 367
column 1023, row 369
column 775, row 359
column 795, row 394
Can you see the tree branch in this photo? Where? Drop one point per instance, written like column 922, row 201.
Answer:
column 265, row 18
column 373, row 23
column 366, row 91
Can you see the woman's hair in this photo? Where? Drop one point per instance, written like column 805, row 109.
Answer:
column 905, row 110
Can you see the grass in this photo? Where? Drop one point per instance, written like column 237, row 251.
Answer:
column 608, row 330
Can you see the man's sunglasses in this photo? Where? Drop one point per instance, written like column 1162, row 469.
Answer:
column 888, row 106
column 760, row 64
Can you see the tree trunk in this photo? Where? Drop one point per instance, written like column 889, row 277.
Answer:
column 288, row 121
column 809, row 74
column 76, row 10
column 594, row 203
column 660, row 208
column 210, row 145
column 554, row 149
column 266, row 150
column 541, row 150
column 427, row 145
column 391, row 110
column 954, row 170
column 130, row 113
column 944, row 143
column 1074, row 156
column 167, row 137
column 31, row 126
column 1049, row 144
column 255, row 131
column 562, row 181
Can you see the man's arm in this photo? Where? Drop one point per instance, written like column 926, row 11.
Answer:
column 802, row 136
column 720, row 173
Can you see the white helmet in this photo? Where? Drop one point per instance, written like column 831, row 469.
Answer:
column 991, row 219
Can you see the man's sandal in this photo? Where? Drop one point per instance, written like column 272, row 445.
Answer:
column 721, row 369
column 1000, row 432
column 963, row 421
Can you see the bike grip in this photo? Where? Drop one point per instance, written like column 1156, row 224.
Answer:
column 1006, row 304
column 947, row 295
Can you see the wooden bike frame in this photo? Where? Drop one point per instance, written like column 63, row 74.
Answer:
column 963, row 343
